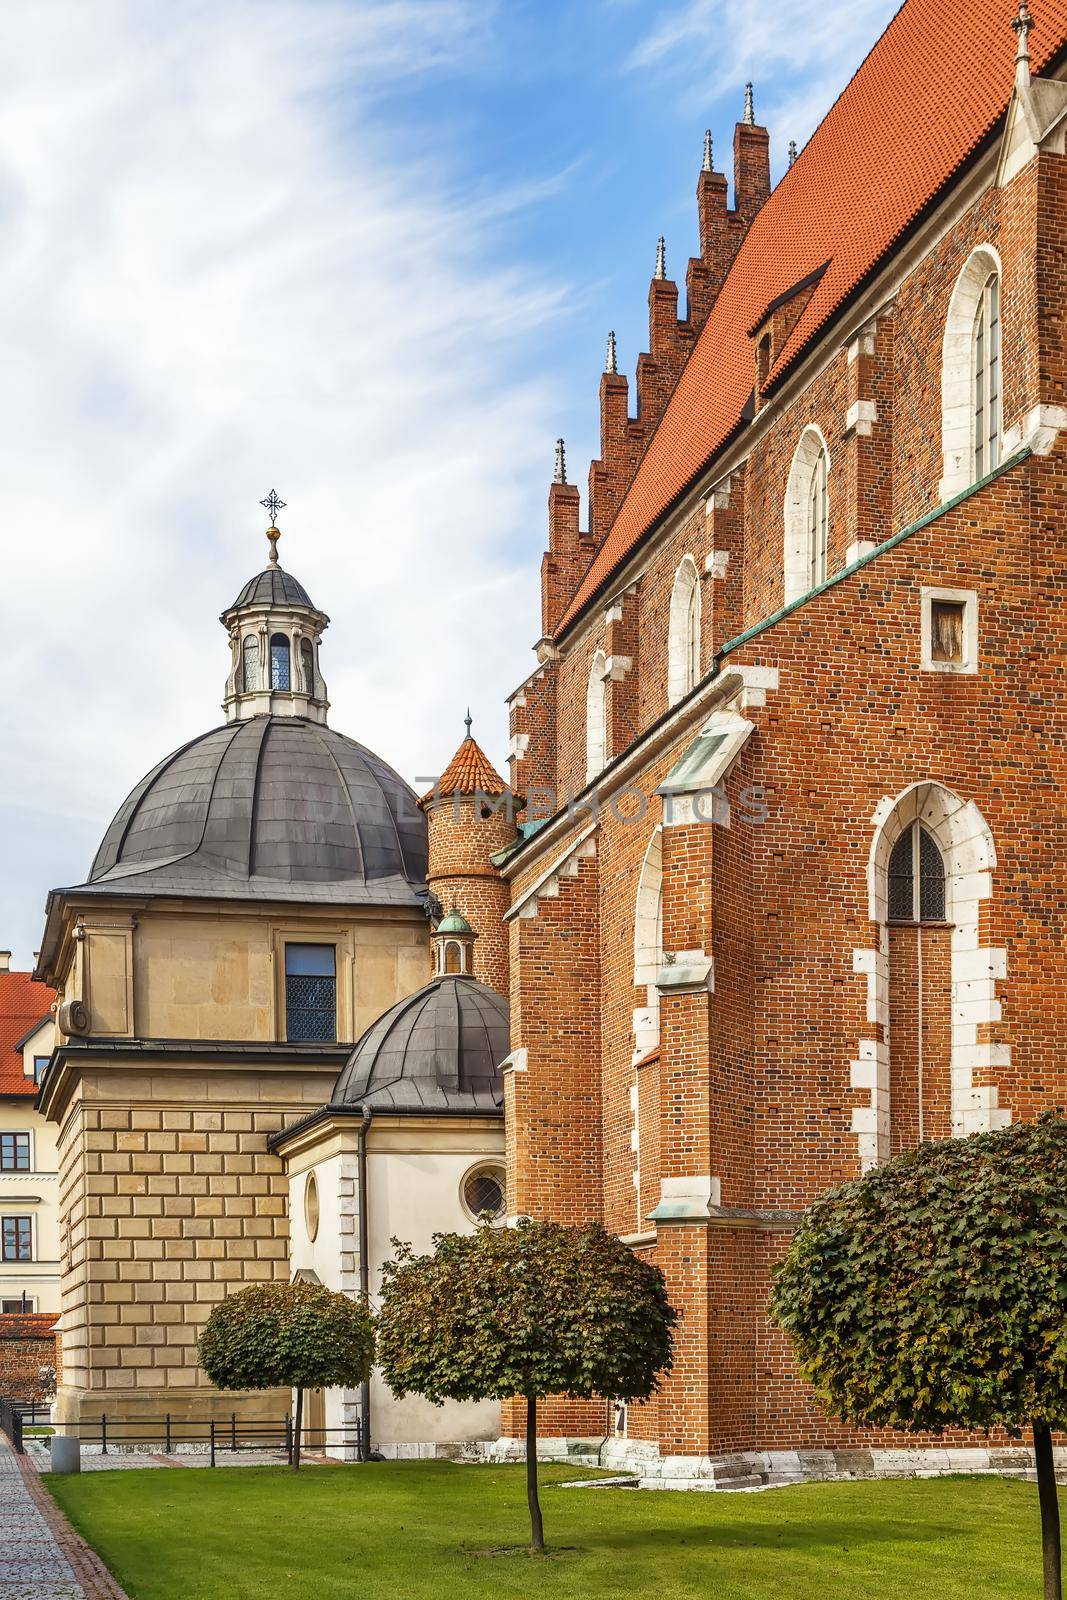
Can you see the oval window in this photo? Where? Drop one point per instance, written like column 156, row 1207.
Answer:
column 311, row 1206
column 483, row 1193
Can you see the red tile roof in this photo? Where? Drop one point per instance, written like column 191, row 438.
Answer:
column 926, row 97
column 23, row 1003
column 470, row 769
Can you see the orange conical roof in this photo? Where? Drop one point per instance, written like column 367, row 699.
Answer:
column 469, row 771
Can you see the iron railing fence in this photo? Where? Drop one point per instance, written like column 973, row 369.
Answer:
column 220, row 1435
column 11, row 1424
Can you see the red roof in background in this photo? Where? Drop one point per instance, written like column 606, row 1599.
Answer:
column 930, row 91
column 23, row 1004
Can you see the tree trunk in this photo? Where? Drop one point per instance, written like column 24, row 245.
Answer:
column 537, row 1531
column 1050, row 1510
column 298, row 1429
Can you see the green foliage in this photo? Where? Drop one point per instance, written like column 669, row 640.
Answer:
column 536, row 1309
column 287, row 1335
column 931, row 1293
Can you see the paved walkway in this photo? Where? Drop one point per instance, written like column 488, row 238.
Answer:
column 41, row 1557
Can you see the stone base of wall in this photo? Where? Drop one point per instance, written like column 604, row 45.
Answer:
column 148, row 1408
column 643, row 1467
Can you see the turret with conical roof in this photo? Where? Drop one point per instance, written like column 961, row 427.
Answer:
column 471, row 814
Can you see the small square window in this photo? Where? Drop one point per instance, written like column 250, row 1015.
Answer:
column 16, row 1238
column 19, row 1306
column 949, row 630
column 14, row 1152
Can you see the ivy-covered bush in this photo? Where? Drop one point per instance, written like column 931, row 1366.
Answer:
column 287, row 1335
column 932, row 1292
column 532, row 1310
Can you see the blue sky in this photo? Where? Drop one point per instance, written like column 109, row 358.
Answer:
column 367, row 253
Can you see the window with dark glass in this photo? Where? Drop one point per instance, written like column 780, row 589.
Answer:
column 17, row 1233
column 250, row 663
column 916, row 878
column 483, row 1192
column 310, row 992
column 279, row 661
column 18, row 1306
column 14, row 1152
column 985, row 378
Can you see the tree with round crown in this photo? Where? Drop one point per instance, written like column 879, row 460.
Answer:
column 932, row 1293
column 287, row 1335
column 537, row 1309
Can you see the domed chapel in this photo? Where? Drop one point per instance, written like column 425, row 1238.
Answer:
column 277, row 1049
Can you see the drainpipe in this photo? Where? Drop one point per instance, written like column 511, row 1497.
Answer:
column 364, row 1275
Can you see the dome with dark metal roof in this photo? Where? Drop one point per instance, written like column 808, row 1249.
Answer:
column 441, row 1049
column 271, row 807
column 273, row 587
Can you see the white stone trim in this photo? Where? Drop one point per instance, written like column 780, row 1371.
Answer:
column 796, row 558
column 969, row 853
column 546, row 887
column 648, row 944
column 716, row 563
column 861, row 418
column 968, row 599
column 718, row 498
column 858, row 549
column 616, row 668
column 683, row 650
column 596, row 721
column 957, row 420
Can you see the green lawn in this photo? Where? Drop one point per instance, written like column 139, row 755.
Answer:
column 434, row 1531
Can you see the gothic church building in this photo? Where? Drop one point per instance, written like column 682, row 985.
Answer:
column 794, row 743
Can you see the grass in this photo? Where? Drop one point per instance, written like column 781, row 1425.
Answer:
column 434, row 1531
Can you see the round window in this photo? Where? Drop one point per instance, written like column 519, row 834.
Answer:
column 311, row 1206
column 483, row 1193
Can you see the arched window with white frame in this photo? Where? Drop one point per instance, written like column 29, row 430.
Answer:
column 596, row 732
column 807, row 516
column 971, row 377
column 683, row 632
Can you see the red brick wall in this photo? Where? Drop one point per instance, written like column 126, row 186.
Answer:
column 27, row 1343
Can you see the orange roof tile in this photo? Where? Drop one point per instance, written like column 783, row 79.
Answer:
column 23, row 1003
column 929, row 93
column 470, row 769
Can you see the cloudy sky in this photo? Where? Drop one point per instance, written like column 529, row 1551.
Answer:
column 365, row 252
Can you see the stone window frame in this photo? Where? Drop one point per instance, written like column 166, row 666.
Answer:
column 957, row 370
column 15, row 1215
column 283, row 933
column 799, row 559
column 16, row 1134
column 596, row 718
column 683, row 632
column 968, row 598
column 492, row 1166
column 648, row 944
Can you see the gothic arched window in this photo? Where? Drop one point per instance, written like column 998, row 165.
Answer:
column 683, row 636
column 985, row 378
column 818, row 521
column 596, row 732
column 279, row 661
column 807, row 517
column 307, row 666
column 250, row 663
column 916, row 878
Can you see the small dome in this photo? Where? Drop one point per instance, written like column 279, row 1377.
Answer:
column 439, row 1050
column 273, row 587
column 455, row 922
column 272, row 807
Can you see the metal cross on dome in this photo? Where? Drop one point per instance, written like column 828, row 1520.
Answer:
column 272, row 504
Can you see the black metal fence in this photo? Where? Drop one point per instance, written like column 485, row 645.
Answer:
column 168, row 1433
column 11, row 1423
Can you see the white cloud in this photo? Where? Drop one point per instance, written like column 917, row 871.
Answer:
column 221, row 270
column 798, row 53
